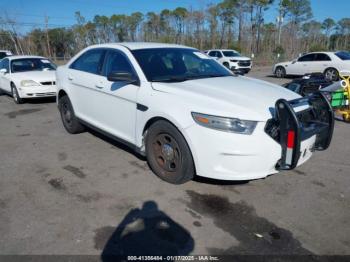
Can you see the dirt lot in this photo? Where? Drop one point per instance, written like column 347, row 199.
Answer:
column 83, row 194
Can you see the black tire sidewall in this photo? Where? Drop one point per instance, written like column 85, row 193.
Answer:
column 14, row 90
column 187, row 170
column 283, row 72
column 75, row 126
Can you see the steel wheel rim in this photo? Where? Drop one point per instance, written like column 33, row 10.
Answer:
column 167, row 153
column 331, row 74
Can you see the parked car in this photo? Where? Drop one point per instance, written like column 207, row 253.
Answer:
column 328, row 63
column 188, row 114
column 232, row 59
column 308, row 84
column 26, row 77
column 4, row 53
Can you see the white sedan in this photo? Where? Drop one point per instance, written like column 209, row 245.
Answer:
column 188, row 114
column 328, row 63
column 27, row 77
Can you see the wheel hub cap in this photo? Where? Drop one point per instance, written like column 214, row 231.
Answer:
column 168, row 151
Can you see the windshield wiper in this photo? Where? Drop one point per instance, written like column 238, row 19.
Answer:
column 186, row 78
column 173, row 79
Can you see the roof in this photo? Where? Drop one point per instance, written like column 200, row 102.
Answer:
column 5, row 51
column 143, row 45
column 24, row 56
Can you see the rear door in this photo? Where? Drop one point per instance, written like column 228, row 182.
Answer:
column 321, row 62
column 84, row 76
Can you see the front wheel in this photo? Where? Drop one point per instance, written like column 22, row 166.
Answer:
column 280, row 72
column 15, row 95
column 168, row 154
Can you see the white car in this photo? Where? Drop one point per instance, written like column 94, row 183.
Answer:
column 188, row 114
column 231, row 59
column 328, row 63
column 4, row 53
column 27, row 77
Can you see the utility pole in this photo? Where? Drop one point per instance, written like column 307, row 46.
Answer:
column 279, row 20
column 47, row 36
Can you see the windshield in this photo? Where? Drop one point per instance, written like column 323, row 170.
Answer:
column 177, row 64
column 231, row 53
column 31, row 64
column 343, row 55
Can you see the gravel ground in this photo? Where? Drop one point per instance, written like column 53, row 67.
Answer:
column 85, row 194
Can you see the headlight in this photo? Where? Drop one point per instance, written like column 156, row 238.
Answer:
column 233, row 125
column 29, row 83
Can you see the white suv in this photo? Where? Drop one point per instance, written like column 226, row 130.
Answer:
column 188, row 114
column 328, row 63
column 231, row 59
column 5, row 53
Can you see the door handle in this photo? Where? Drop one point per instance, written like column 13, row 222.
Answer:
column 98, row 86
column 70, row 78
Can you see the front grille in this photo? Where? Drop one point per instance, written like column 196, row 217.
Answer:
column 48, row 83
column 272, row 127
column 244, row 63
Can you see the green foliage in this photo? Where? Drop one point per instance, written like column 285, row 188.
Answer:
column 316, row 48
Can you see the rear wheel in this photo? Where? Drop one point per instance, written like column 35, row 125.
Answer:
column 280, row 72
column 331, row 74
column 15, row 95
column 168, row 153
column 69, row 120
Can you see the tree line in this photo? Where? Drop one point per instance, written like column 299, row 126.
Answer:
column 239, row 24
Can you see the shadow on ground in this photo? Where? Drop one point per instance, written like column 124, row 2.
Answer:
column 145, row 231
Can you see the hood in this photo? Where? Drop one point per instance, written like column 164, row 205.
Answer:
column 37, row 76
column 240, row 97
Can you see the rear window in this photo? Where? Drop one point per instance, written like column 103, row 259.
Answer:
column 343, row 55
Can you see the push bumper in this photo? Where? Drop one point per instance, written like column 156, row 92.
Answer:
column 292, row 126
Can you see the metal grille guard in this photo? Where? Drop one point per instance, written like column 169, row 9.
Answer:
column 294, row 128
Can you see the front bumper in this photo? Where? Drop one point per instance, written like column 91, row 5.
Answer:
column 37, row 91
column 231, row 156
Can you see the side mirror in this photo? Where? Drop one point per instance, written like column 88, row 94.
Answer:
column 294, row 61
column 3, row 70
column 121, row 76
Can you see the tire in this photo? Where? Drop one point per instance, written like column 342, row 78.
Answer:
column 168, row 154
column 16, row 98
column 69, row 120
column 227, row 65
column 331, row 74
column 280, row 72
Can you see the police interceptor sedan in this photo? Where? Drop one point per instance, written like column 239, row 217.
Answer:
column 188, row 114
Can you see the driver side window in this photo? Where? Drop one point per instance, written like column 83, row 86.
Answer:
column 117, row 62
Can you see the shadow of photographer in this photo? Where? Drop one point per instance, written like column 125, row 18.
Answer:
column 147, row 231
